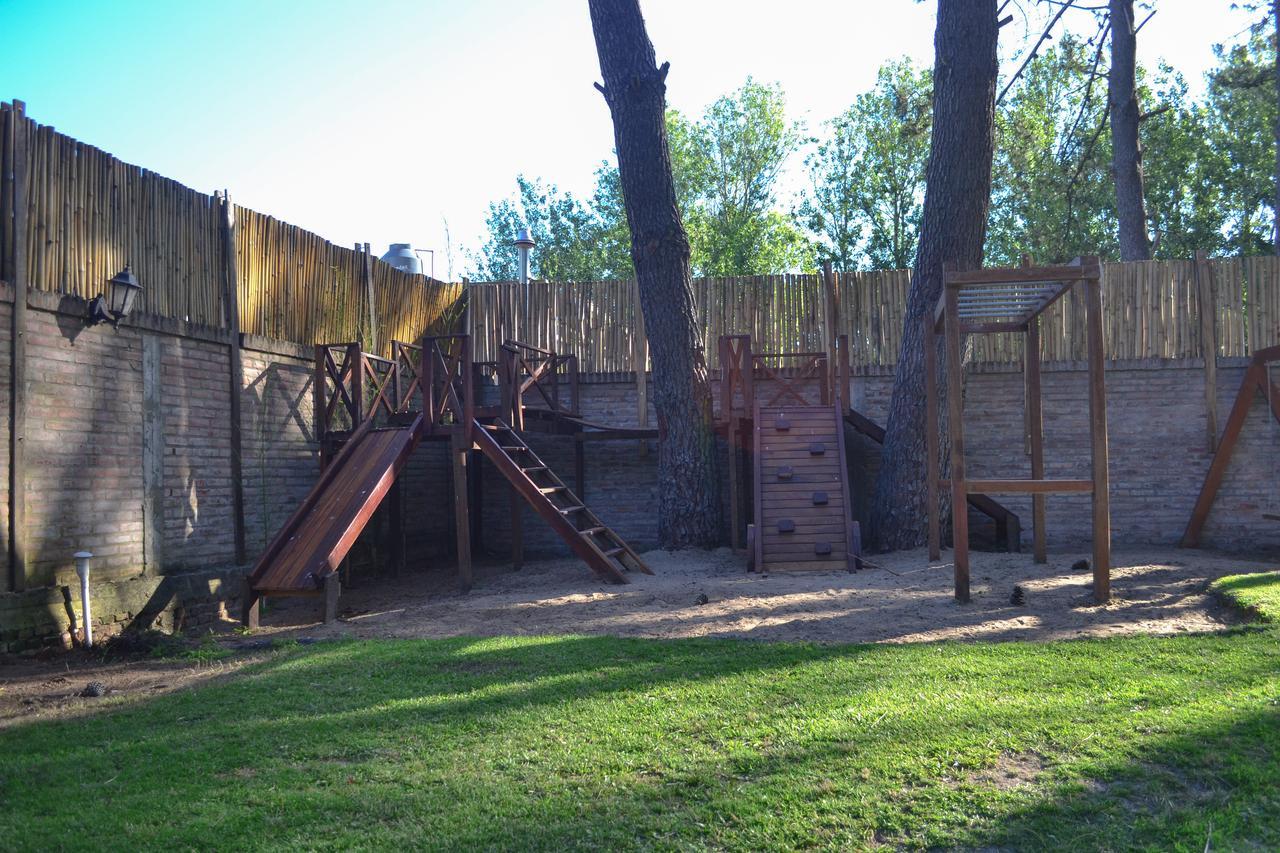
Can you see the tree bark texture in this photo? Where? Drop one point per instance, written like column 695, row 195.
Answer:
column 1126, row 151
column 953, row 229
column 1275, row 17
column 635, row 90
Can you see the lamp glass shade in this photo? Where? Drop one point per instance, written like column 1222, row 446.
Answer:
column 123, row 293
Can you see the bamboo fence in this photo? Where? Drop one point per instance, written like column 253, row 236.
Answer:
column 88, row 214
column 1151, row 312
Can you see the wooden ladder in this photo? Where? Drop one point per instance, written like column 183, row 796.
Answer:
column 599, row 547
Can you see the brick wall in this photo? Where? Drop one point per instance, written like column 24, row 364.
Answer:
column 1158, row 448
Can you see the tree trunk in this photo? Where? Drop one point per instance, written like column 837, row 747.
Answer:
column 1126, row 151
column 635, row 90
column 1275, row 235
column 953, row 228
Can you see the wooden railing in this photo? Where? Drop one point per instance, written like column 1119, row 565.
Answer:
column 536, row 378
column 447, row 380
column 793, row 377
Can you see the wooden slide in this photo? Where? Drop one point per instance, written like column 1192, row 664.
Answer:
column 304, row 557
column 802, row 503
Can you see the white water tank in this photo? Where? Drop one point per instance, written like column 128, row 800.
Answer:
column 402, row 257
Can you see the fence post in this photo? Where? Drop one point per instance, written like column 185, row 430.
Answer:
column 231, row 322
column 366, row 272
column 1208, row 344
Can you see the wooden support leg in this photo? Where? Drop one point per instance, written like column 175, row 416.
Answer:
column 251, row 607
column 735, row 486
column 1035, row 431
column 395, row 506
column 931, row 437
column 331, row 588
column 517, row 529
column 461, row 507
column 955, row 417
column 1098, row 442
column 475, row 486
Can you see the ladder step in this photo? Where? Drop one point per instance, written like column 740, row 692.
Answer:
column 551, row 490
column 510, row 448
column 535, row 468
column 613, row 552
column 571, row 509
column 592, row 531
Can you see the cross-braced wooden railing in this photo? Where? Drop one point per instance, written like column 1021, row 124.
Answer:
column 447, row 374
column 353, row 387
column 528, row 375
column 793, row 373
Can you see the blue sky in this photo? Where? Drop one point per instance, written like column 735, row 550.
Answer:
column 376, row 121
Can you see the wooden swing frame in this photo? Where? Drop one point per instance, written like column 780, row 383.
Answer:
column 1011, row 300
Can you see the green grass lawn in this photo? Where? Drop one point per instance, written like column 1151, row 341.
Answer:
column 1257, row 594
column 574, row 742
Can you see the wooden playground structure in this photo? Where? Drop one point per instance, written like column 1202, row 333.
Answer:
column 372, row 412
column 1012, row 300
column 782, row 416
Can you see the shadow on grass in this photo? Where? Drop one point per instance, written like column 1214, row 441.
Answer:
column 597, row 742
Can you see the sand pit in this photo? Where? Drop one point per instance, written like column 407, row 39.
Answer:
column 902, row 599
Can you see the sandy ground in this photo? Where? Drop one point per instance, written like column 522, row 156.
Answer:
column 900, row 599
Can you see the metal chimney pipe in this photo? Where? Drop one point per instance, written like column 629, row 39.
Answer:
column 524, row 244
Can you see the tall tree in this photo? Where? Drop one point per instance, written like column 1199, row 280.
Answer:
column 635, row 90
column 1126, row 151
column 953, row 228
column 867, row 176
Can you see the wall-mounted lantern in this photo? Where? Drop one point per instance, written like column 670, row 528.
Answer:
column 115, row 305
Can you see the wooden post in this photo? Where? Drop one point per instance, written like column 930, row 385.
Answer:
column 931, row 433
column 1208, row 344
column 1098, row 442
column 331, row 588
column 517, row 529
column 395, row 506
column 1035, row 431
column 737, row 520
column 844, row 374
column 475, row 486
column 355, row 360
column 831, row 312
column 231, row 321
column 17, row 179
column 955, row 418
column 460, row 449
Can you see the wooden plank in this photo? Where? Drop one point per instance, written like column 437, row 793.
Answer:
column 459, row 450
column 955, row 414
column 1035, row 430
column 1024, row 486
column 1098, row 443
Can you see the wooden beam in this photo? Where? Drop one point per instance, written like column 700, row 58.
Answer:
column 737, row 523
column 231, row 321
column 1035, row 433
column 579, row 468
column 460, row 449
column 930, row 343
column 1022, row 486
column 395, row 506
column 955, row 418
column 1098, row 442
column 18, row 350
column 1254, row 381
column 1088, row 268
column 517, row 529
column 1207, row 308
